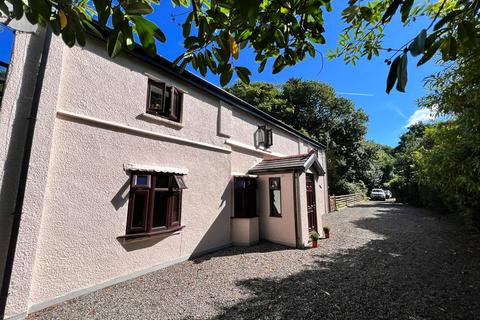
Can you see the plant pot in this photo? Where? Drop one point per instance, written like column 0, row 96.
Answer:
column 314, row 243
column 327, row 234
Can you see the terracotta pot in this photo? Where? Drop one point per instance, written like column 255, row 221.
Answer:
column 327, row 234
column 314, row 243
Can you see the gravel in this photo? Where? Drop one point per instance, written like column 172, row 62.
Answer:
column 383, row 261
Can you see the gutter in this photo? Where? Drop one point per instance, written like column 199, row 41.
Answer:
column 27, row 150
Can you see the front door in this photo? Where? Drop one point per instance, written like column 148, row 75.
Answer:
column 311, row 204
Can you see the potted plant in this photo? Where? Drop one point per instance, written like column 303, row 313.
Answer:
column 326, row 230
column 314, row 236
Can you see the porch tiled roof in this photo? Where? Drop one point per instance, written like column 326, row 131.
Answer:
column 300, row 162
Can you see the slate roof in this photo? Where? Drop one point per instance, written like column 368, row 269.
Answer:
column 301, row 162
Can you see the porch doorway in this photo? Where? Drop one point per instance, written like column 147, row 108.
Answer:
column 311, row 203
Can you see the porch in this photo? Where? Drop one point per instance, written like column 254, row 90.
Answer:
column 279, row 200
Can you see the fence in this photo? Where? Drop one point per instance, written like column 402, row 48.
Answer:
column 346, row 200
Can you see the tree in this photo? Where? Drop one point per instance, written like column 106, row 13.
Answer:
column 315, row 109
column 215, row 31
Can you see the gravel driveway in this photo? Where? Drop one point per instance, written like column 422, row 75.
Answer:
column 383, row 261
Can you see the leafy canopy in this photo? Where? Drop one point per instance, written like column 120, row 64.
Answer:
column 284, row 31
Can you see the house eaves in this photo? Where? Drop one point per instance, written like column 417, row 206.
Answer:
column 167, row 66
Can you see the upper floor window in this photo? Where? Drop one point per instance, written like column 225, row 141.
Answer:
column 155, row 203
column 164, row 101
column 244, row 197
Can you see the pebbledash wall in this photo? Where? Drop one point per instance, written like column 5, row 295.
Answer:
column 92, row 121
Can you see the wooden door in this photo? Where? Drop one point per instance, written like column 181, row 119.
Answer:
column 311, row 203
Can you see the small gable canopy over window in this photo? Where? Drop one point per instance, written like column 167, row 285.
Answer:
column 164, row 101
column 301, row 162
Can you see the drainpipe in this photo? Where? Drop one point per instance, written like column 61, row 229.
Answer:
column 27, row 150
column 296, row 194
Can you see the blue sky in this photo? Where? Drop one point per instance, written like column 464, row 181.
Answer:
column 363, row 83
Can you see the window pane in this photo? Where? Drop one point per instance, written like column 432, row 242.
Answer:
column 156, row 97
column 142, row 180
column 179, row 183
column 140, row 206
column 160, row 207
column 244, row 197
column 177, row 105
column 275, row 202
column 176, row 207
column 275, row 196
column 168, row 100
column 162, row 181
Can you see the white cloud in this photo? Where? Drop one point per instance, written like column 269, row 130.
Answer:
column 397, row 109
column 356, row 94
column 421, row 115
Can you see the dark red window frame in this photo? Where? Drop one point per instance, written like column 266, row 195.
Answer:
column 171, row 106
column 155, row 207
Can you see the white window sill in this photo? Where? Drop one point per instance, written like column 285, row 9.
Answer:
column 160, row 120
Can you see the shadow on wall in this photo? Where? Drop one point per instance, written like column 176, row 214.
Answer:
column 121, row 197
column 419, row 269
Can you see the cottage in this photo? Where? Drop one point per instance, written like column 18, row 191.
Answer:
column 134, row 167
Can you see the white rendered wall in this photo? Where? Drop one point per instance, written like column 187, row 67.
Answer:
column 76, row 203
column 277, row 229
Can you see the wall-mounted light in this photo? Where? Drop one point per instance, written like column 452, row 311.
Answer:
column 265, row 136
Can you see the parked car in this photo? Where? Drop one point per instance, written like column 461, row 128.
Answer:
column 388, row 194
column 378, row 194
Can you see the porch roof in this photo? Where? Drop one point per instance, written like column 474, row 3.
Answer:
column 301, row 162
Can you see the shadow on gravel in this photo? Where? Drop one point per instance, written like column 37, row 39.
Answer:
column 422, row 268
column 262, row 247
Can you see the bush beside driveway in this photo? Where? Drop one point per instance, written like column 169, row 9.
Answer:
column 383, row 261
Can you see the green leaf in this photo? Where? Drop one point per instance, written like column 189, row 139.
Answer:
column 391, row 10
column 392, row 74
column 115, row 43
column 137, row 8
column 405, row 9
column 447, row 18
column 418, row 45
column 448, row 48
column 244, row 74
column 402, row 73
column 226, row 75
column 68, row 35
column 187, row 26
column 429, row 53
column 278, row 65
column 4, row 9
column 103, row 10
column 467, row 33
column 147, row 32
column 128, row 35
column 262, row 66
